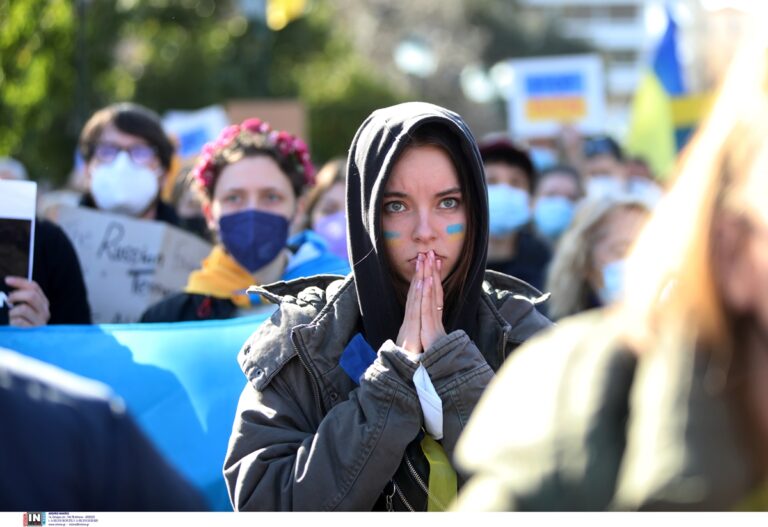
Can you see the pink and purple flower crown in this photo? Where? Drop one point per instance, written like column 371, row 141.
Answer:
column 258, row 133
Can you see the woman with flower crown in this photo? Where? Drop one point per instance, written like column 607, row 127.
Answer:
column 251, row 180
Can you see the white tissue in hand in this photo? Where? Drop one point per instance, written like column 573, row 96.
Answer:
column 431, row 405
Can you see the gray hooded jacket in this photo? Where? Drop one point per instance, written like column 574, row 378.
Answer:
column 306, row 437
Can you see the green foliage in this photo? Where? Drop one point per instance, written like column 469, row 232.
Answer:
column 36, row 40
column 167, row 54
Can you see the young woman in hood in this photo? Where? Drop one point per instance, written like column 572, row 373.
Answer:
column 359, row 388
column 251, row 180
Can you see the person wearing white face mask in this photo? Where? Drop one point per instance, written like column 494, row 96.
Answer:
column 127, row 155
column 513, row 248
column 604, row 170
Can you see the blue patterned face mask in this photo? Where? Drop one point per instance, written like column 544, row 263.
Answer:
column 508, row 209
column 613, row 282
column 552, row 215
column 253, row 238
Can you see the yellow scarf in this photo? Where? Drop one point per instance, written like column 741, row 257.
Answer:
column 442, row 476
column 221, row 277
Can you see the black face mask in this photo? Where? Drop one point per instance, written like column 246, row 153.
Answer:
column 196, row 225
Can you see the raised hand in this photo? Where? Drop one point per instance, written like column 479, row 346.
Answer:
column 431, row 302
column 409, row 337
column 30, row 305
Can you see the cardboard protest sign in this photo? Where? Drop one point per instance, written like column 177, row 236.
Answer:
column 128, row 263
column 548, row 92
column 17, row 235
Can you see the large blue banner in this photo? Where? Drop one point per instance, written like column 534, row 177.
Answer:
column 180, row 380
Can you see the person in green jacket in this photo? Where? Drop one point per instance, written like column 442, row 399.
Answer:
column 660, row 403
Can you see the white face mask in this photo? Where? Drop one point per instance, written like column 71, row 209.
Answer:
column 646, row 190
column 124, row 187
column 602, row 185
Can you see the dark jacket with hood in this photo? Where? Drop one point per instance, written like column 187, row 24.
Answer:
column 307, row 436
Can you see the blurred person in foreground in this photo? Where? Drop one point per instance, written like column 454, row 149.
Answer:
column 326, row 204
column 557, row 194
column 127, row 157
column 587, row 270
column 68, row 444
column 251, row 181
column 56, row 293
column 513, row 248
column 661, row 402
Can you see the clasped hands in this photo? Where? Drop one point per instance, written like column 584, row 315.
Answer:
column 423, row 320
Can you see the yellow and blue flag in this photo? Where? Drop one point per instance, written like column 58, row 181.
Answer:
column 663, row 113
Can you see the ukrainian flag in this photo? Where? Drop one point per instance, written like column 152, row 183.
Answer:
column 663, row 113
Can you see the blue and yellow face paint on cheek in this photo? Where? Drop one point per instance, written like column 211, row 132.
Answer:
column 455, row 231
column 392, row 237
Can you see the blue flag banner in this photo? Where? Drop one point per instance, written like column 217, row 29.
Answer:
column 181, row 382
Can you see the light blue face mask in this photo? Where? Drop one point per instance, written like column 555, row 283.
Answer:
column 613, row 282
column 508, row 209
column 552, row 215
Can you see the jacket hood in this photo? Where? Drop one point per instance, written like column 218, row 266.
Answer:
column 377, row 146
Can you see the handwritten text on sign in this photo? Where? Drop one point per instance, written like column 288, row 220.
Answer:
column 129, row 264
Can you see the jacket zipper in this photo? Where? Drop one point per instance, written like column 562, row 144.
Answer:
column 504, row 335
column 402, row 498
column 420, row 481
column 315, row 383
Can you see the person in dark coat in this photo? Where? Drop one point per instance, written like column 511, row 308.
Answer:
column 358, row 388
column 513, row 247
column 68, row 444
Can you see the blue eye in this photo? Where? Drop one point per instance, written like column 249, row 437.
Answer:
column 394, row 206
column 449, row 203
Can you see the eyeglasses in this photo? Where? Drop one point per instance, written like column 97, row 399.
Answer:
column 139, row 154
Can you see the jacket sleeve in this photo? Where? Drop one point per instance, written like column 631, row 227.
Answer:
column 459, row 374
column 285, row 455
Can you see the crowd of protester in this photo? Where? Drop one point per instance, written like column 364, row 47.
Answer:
column 400, row 280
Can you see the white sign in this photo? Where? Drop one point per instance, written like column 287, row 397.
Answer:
column 549, row 92
column 128, row 263
column 17, row 235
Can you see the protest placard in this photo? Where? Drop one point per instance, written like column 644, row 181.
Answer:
column 193, row 128
column 17, row 235
column 128, row 263
column 548, row 92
